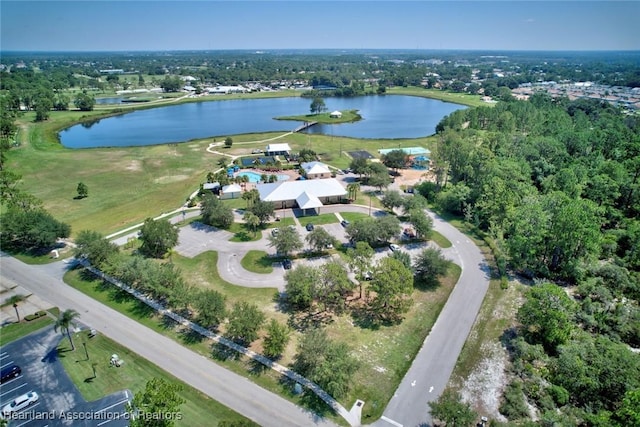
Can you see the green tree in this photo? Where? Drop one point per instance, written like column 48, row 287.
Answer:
column 300, row 286
column 393, row 285
column 360, row 261
column 26, row 229
column 216, row 212
column 228, row 142
column 84, row 102
column 148, row 406
column 171, row 84
column 83, row 190
column 64, row 321
column 263, row 210
column 43, row 106
column 286, row 241
column 320, row 239
column 450, row 409
column 325, row 362
column 245, row 320
column 317, row 105
column 94, row 247
column 429, row 266
column 395, row 159
column 421, row 222
column 276, row 340
column 157, row 236
column 251, row 220
column 353, row 188
column 629, row 411
column 334, row 287
column 211, row 307
column 547, row 316
column 392, row 199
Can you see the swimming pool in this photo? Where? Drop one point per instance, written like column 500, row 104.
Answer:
column 256, row 177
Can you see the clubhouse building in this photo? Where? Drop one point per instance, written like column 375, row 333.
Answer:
column 308, row 195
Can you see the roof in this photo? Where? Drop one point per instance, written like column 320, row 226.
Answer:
column 308, row 201
column 292, row 190
column 315, row 167
column 278, row 147
column 335, row 114
column 231, row 188
column 210, row 185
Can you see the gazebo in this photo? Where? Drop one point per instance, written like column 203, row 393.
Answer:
column 335, row 114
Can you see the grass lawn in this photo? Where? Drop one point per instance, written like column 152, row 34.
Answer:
column 242, row 234
column 257, row 262
column 15, row 331
column 321, row 219
column 457, row 98
column 440, row 240
column 353, row 216
column 198, row 410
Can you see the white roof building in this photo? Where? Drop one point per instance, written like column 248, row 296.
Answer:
column 308, row 194
column 278, row 148
column 335, row 114
column 316, row 170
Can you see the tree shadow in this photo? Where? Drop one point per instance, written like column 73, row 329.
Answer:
column 301, row 321
column 364, row 318
column 223, row 353
column 257, row 368
column 244, row 236
column 189, row 336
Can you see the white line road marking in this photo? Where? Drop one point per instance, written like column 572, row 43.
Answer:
column 413, row 383
column 390, row 421
column 430, row 389
column 13, row 389
column 6, row 364
column 115, row 404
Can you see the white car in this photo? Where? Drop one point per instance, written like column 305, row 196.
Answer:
column 394, row 247
column 20, row 403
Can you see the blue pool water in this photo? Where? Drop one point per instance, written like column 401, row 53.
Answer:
column 256, row 177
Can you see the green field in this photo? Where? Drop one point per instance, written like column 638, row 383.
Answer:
column 348, row 116
column 14, row 331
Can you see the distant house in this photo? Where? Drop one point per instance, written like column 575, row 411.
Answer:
column 231, row 191
column 211, row 186
column 305, row 195
column 278, row 149
column 335, row 114
column 313, row 170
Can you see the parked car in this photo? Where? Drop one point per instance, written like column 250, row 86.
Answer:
column 344, row 223
column 394, row 247
column 10, row 372
column 309, row 227
column 409, row 232
column 275, row 231
column 20, row 403
column 367, row 275
column 286, row 264
column 256, row 151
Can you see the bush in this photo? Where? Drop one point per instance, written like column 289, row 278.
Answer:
column 513, row 405
column 34, row 316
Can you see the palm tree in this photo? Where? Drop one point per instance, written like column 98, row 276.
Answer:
column 14, row 300
column 252, row 221
column 64, row 323
column 353, row 189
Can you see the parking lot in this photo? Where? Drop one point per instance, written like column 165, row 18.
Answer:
column 59, row 401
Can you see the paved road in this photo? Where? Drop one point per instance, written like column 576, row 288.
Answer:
column 232, row 390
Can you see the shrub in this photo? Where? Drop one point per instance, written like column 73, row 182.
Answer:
column 513, row 405
column 34, row 316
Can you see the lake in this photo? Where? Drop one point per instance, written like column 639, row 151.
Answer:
column 384, row 117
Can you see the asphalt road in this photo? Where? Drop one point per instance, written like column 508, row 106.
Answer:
column 242, row 395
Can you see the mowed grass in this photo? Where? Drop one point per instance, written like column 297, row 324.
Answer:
column 198, row 409
column 321, row 219
column 257, row 262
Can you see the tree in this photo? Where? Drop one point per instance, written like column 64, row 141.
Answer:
column 94, row 247
column 392, row 283
column 83, row 190
column 171, row 84
column 215, row 212
column 360, row 166
column 452, row 410
column 395, row 159
column 334, row 287
column 65, row 319
column 26, row 229
column 300, row 283
column 629, row 410
column 429, row 266
column 307, row 155
column 14, row 300
column 263, row 210
column 228, row 142
column 392, row 199
column 276, row 340
column 211, row 307
column 286, row 241
column 353, row 188
column 43, row 106
column 150, row 406
column 421, row 222
column 547, row 316
column 317, row 105
column 84, row 102
column 320, row 239
column 360, row 260
column 251, row 220
column 245, row 321
column 157, row 236
column 325, row 362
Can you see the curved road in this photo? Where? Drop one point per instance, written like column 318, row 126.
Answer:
column 423, row 383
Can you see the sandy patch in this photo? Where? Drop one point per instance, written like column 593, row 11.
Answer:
column 134, row 166
column 170, row 178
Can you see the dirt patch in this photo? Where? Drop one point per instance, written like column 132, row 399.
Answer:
column 170, row 178
column 414, row 176
column 134, row 166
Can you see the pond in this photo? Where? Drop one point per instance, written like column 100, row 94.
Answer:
column 384, row 117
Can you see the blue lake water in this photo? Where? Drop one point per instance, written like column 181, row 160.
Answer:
column 384, row 116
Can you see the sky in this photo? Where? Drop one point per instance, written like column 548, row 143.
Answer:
column 157, row 25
